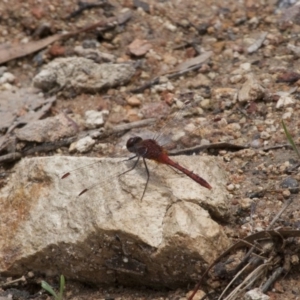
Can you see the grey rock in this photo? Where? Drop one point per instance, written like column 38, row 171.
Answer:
column 82, row 75
column 109, row 234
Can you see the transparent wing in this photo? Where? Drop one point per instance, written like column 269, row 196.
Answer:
column 174, row 130
column 181, row 126
column 98, row 174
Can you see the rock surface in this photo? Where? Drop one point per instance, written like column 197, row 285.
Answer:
column 47, row 130
column 82, row 74
column 109, row 233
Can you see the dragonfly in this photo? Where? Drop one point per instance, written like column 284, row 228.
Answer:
column 150, row 149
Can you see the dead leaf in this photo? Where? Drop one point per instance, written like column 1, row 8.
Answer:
column 19, row 108
column 9, row 52
column 192, row 62
column 289, row 77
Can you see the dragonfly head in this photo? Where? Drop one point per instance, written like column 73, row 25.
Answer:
column 132, row 144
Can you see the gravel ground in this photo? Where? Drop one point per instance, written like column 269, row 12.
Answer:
column 245, row 89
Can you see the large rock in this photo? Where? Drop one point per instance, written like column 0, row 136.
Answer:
column 109, row 234
column 82, row 75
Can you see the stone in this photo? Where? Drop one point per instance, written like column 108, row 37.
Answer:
column 95, row 119
column 251, row 90
column 139, row 47
column 109, row 234
column 83, row 145
column 47, row 130
column 256, row 294
column 82, row 75
column 285, row 100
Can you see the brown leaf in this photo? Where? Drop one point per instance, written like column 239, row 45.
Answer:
column 290, row 77
column 9, row 52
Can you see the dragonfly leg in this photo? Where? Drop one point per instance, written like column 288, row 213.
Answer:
column 148, row 177
column 135, row 164
column 130, row 158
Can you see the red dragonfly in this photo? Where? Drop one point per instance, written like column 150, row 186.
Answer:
column 150, row 149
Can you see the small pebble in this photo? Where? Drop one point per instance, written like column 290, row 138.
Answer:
column 222, row 123
column 134, row 101
column 222, row 152
column 2, row 70
column 286, row 193
column 168, row 86
column 287, row 115
column 30, row 274
column 205, row 103
column 170, row 59
column 235, row 79
column 90, row 43
column 6, row 86
column 247, row 153
column 7, row 77
column 94, row 118
column 103, row 147
column 245, row 67
column 230, row 187
column 290, row 183
column 191, row 127
column 245, row 202
column 269, row 121
column 295, row 259
column 139, row 47
column 284, row 101
column 170, row 26
column 198, row 296
column 145, row 75
column 256, row 143
column 265, row 135
column 25, row 40
column 221, row 94
column 251, row 90
column 83, row 145
column 204, row 142
column 234, row 126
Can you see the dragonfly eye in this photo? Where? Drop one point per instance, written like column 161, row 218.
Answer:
column 132, row 143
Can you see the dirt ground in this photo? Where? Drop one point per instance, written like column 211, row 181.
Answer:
column 262, row 177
